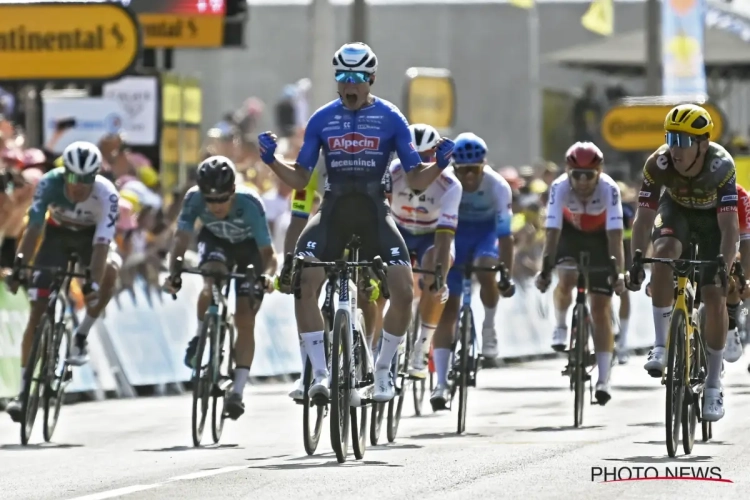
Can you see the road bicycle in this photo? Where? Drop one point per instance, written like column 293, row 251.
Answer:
column 351, row 364
column 47, row 369
column 687, row 365
column 213, row 365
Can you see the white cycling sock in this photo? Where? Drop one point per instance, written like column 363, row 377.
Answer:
column 661, row 324
column 240, row 379
column 23, row 371
column 489, row 317
column 315, row 348
column 603, row 363
column 85, row 326
column 388, row 349
column 560, row 317
column 714, row 360
column 623, row 341
column 442, row 358
column 303, row 356
column 425, row 337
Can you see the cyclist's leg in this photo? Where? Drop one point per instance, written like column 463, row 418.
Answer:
column 569, row 248
column 601, row 311
column 670, row 238
column 213, row 255
column 486, row 255
column 624, row 313
column 389, row 243
column 733, row 346
column 243, row 254
column 706, row 226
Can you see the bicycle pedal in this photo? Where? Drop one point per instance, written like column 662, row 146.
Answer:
column 320, row 400
column 225, row 383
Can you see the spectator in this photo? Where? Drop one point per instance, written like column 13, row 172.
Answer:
column 286, row 114
column 278, row 213
column 587, row 114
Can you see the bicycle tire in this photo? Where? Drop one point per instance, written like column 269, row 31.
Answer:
column 201, row 390
column 310, row 433
column 463, row 366
column 674, row 384
column 359, row 428
column 691, row 400
column 396, row 405
column 580, row 360
column 378, row 411
column 52, row 411
column 219, row 397
column 418, row 386
column 34, row 378
column 341, row 361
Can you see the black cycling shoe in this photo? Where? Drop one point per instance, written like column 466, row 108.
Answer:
column 15, row 409
column 233, row 406
column 190, row 352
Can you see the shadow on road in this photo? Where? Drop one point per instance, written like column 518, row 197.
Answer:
column 637, row 388
column 495, row 414
column 697, row 440
column 441, row 435
column 396, row 446
column 661, row 460
column 332, row 463
column 38, row 446
column 526, row 389
column 647, row 424
column 561, row 428
column 192, row 448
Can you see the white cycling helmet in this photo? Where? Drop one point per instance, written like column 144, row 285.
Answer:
column 424, row 137
column 355, row 56
column 82, row 158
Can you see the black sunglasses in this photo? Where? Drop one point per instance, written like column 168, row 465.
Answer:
column 217, row 200
column 582, row 174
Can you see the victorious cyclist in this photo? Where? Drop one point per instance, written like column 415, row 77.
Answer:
column 235, row 232
column 584, row 214
column 77, row 211
column 427, row 220
column 700, row 201
column 358, row 133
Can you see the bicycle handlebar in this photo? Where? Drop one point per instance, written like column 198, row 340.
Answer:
column 58, row 272
column 219, row 276
column 582, row 265
column 438, row 273
column 505, row 283
column 337, row 267
column 681, row 266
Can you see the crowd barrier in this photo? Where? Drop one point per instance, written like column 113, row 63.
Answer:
column 142, row 338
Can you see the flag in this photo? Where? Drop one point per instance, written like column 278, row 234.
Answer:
column 523, row 4
column 600, row 18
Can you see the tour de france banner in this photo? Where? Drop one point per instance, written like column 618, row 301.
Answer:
column 682, row 47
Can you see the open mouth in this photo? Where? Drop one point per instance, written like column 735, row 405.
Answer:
column 351, row 98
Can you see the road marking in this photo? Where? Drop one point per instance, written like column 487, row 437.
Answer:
column 118, row 492
column 207, row 473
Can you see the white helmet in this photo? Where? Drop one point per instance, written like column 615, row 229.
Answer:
column 82, row 158
column 355, row 56
column 424, row 137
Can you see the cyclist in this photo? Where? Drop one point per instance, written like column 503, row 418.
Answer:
column 733, row 345
column 700, row 199
column 484, row 233
column 427, row 220
column 628, row 212
column 235, row 232
column 358, row 133
column 584, row 214
column 77, row 211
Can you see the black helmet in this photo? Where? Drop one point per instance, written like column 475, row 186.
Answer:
column 216, row 175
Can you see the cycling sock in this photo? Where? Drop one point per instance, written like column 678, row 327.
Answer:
column 425, row 337
column 560, row 317
column 442, row 357
column 388, row 349
column 715, row 359
column 85, row 326
column 603, row 363
column 23, row 370
column 240, row 379
column 316, row 351
column 661, row 324
column 623, row 340
column 303, row 355
column 489, row 317
column 732, row 313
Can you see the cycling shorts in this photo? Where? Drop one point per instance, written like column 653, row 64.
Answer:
column 477, row 241
column 419, row 244
column 573, row 241
column 211, row 248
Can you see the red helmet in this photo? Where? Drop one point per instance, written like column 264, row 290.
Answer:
column 584, row 155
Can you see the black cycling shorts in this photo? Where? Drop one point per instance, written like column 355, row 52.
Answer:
column 211, row 248
column 573, row 241
column 340, row 217
column 8, row 252
column 58, row 243
column 686, row 224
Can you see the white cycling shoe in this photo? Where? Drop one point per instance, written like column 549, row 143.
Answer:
column 733, row 347
column 657, row 362
column 560, row 339
column 298, row 393
column 489, row 342
column 417, row 365
column 713, row 405
column 320, row 387
column 384, row 388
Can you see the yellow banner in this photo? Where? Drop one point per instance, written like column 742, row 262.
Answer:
column 523, row 4
column 600, row 18
column 178, row 30
column 171, row 101
column 191, row 146
column 430, row 97
column 170, row 144
column 69, row 41
column 192, row 102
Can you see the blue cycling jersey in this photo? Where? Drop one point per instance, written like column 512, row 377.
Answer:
column 488, row 208
column 357, row 144
column 246, row 219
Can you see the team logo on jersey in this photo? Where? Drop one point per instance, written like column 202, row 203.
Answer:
column 353, row 143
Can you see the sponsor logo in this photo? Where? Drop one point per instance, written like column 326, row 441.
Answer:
column 666, row 230
column 728, row 209
column 353, row 143
column 644, row 194
column 352, row 163
column 729, row 197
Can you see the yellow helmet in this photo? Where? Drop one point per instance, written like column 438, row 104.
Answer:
column 689, row 118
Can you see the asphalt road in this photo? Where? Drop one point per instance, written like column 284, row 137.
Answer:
column 519, row 444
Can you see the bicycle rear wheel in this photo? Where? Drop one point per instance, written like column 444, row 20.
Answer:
column 36, row 372
column 418, row 386
column 341, row 369
column 224, row 353
column 58, row 373
column 580, row 360
column 692, row 399
column 311, row 432
column 359, row 429
column 201, row 382
column 463, row 369
column 396, row 405
column 675, row 379
column 378, row 411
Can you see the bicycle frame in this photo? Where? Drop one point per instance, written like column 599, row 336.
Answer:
column 682, row 303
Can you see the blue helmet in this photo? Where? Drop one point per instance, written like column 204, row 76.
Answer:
column 469, row 149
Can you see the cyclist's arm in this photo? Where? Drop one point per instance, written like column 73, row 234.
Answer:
column 297, row 175
column 504, row 210
column 648, row 203
column 615, row 226
column 37, row 213
column 726, row 206
column 105, row 232
column 185, row 226
column 553, row 221
column 447, row 222
column 418, row 175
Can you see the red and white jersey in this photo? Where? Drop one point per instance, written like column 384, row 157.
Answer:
column 434, row 208
column 601, row 211
column 743, row 212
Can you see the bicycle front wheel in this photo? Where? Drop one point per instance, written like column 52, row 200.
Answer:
column 692, row 399
column 201, row 383
column 34, row 377
column 311, row 430
column 341, row 376
column 223, row 367
column 58, row 374
column 396, row 405
column 578, row 374
column 675, row 379
column 463, row 369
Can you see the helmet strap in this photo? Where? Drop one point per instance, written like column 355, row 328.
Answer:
column 695, row 161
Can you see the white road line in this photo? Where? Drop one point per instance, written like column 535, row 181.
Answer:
column 118, row 492
column 207, row 473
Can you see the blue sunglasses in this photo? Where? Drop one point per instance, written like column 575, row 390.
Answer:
column 352, row 77
column 679, row 139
